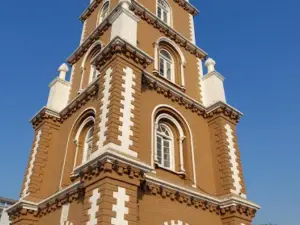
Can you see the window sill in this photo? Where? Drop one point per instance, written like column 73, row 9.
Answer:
column 181, row 88
column 182, row 174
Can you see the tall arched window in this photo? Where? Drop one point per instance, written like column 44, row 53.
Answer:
column 164, row 146
column 88, row 143
column 104, row 12
column 166, row 65
column 164, row 11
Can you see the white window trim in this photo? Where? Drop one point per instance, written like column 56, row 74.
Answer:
column 175, row 46
column 100, row 19
column 76, row 140
column 190, row 134
column 68, row 142
column 181, row 136
column 87, row 140
column 171, row 148
column 171, row 61
column 85, row 60
column 170, row 16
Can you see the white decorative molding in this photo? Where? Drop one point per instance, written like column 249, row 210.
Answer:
column 120, row 208
column 173, row 222
column 127, row 115
column 26, row 191
column 83, row 32
column 233, row 161
column 200, row 76
column 192, row 29
column 181, row 137
column 104, row 108
column 94, row 207
column 177, row 49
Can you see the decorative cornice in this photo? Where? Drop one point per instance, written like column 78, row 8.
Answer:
column 107, row 155
column 91, row 8
column 172, row 92
column 152, row 19
column 224, row 207
column 72, row 107
column 48, row 205
column 120, row 46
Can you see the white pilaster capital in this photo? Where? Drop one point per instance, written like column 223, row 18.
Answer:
column 125, row 3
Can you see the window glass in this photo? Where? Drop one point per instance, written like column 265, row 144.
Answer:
column 104, row 12
column 163, row 11
column 164, row 143
column 166, row 65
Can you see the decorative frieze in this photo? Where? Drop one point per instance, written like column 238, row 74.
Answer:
column 171, row 92
column 119, row 46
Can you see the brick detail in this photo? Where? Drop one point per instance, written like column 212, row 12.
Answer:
column 38, row 161
column 220, row 143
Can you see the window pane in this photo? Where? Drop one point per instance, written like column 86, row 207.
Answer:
column 165, row 17
column 169, row 71
column 161, row 67
column 159, row 150
column 159, row 12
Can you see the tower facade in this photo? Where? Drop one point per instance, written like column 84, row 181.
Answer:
column 139, row 134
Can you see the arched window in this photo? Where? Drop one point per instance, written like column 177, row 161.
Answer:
column 93, row 73
column 164, row 146
column 164, row 11
column 104, row 12
column 166, row 65
column 88, row 143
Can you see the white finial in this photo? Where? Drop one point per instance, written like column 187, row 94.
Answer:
column 125, row 3
column 210, row 64
column 63, row 69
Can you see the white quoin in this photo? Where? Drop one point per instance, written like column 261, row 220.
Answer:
column 213, row 85
column 59, row 90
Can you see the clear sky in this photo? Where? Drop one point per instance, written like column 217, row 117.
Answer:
column 256, row 47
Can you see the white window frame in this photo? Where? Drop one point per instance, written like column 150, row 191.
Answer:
column 103, row 14
column 170, row 140
column 89, row 119
column 93, row 73
column 166, row 61
column 165, row 7
column 88, row 142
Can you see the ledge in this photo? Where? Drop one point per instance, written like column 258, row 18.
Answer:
column 118, row 45
column 53, row 199
column 193, row 196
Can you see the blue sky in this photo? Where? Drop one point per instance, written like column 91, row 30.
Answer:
column 256, row 47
